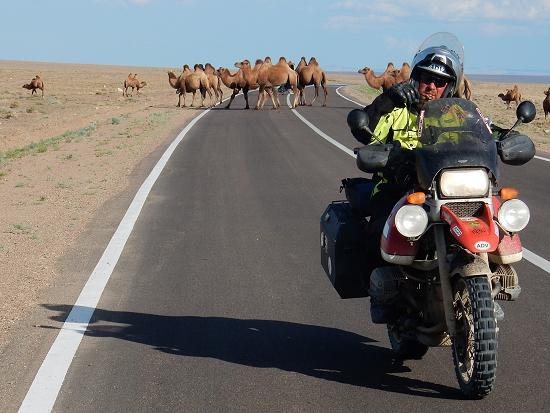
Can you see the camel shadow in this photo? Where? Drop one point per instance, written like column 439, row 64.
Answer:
column 322, row 352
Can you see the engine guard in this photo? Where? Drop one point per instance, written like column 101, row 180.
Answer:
column 468, row 264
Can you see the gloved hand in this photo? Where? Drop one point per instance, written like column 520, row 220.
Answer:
column 403, row 95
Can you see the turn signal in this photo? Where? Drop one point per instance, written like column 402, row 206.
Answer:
column 507, row 193
column 416, row 198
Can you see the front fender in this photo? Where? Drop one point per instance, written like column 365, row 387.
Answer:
column 467, row 264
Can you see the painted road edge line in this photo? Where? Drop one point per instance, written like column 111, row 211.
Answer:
column 47, row 383
column 528, row 255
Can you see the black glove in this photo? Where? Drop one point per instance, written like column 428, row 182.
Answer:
column 403, row 95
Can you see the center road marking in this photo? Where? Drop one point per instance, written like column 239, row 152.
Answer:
column 528, row 255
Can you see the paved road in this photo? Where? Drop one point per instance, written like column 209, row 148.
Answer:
column 219, row 303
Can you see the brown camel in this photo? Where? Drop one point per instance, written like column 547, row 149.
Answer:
column 233, row 81
column 384, row 81
column 403, row 74
column 272, row 76
column 133, row 82
column 311, row 74
column 178, row 82
column 546, row 103
column 250, row 76
column 200, row 78
column 214, row 80
column 464, row 89
column 36, row 83
column 511, row 96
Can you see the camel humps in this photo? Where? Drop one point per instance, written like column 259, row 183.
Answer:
column 132, row 82
column 35, row 83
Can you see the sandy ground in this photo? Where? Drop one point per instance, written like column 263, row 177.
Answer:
column 63, row 157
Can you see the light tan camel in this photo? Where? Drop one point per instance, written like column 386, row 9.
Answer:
column 403, row 74
column 214, row 80
column 198, row 80
column 511, row 96
column 272, row 76
column 178, row 82
column 250, row 76
column 233, row 81
column 36, row 83
column 133, row 82
column 384, row 81
column 311, row 74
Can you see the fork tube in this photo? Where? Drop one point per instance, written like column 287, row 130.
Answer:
column 445, row 279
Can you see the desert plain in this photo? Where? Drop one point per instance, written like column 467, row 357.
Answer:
column 71, row 161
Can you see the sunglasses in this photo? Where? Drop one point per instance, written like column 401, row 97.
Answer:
column 437, row 81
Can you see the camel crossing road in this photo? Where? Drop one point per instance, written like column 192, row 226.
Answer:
column 211, row 296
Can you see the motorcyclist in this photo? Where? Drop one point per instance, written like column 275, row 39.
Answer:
column 436, row 72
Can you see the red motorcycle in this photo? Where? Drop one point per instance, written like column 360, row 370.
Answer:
column 449, row 243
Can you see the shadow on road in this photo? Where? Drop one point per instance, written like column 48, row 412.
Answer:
column 322, row 352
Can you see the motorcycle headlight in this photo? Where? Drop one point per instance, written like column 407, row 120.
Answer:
column 464, row 182
column 411, row 220
column 513, row 215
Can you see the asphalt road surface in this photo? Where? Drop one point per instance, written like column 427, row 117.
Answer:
column 218, row 302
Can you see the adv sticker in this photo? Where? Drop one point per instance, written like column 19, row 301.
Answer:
column 482, row 245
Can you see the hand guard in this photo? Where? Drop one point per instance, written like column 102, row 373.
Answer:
column 403, row 95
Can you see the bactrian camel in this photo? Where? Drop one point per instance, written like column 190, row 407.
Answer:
column 234, row 81
column 272, row 76
column 250, row 76
column 132, row 82
column 214, row 80
column 311, row 74
column 36, row 83
column 384, row 81
column 190, row 82
column 511, row 96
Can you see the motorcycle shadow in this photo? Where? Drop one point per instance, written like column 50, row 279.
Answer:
column 322, row 352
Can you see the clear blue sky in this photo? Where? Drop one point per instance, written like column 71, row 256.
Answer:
column 499, row 36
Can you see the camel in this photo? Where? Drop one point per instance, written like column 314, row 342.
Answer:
column 132, row 82
column 214, row 80
column 233, row 81
column 384, row 81
column 250, row 76
column 36, row 83
column 546, row 103
column 403, row 74
column 190, row 82
column 511, row 96
column 178, row 82
column 271, row 76
column 464, row 89
column 311, row 74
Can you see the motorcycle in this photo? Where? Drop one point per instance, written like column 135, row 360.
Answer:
column 449, row 243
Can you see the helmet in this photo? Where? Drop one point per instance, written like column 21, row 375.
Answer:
column 443, row 55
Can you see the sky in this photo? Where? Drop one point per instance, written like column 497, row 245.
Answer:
column 499, row 36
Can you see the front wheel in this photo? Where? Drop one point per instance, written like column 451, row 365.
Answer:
column 475, row 343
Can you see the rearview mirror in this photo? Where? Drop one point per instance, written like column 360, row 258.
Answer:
column 526, row 111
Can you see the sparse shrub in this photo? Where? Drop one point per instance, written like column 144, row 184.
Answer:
column 115, row 121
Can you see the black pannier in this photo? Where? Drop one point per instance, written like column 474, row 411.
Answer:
column 358, row 192
column 343, row 249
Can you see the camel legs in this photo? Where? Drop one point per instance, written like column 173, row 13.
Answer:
column 316, row 94
column 220, row 91
column 274, row 97
column 245, row 93
column 325, row 91
column 296, row 96
column 235, row 92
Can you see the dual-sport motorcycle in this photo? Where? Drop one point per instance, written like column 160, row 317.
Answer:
column 449, row 243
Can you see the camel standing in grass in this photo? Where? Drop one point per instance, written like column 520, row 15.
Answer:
column 311, row 74
column 36, row 83
column 132, row 82
column 214, row 80
column 511, row 96
column 384, row 81
column 546, row 103
column 271, row 76
column 233, row 81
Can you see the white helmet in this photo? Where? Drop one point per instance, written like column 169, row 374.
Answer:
column 443, row 55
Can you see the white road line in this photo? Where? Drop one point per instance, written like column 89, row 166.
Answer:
column 351, row 100
column 541, row 158
column 47, row 382
column 528, row 255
